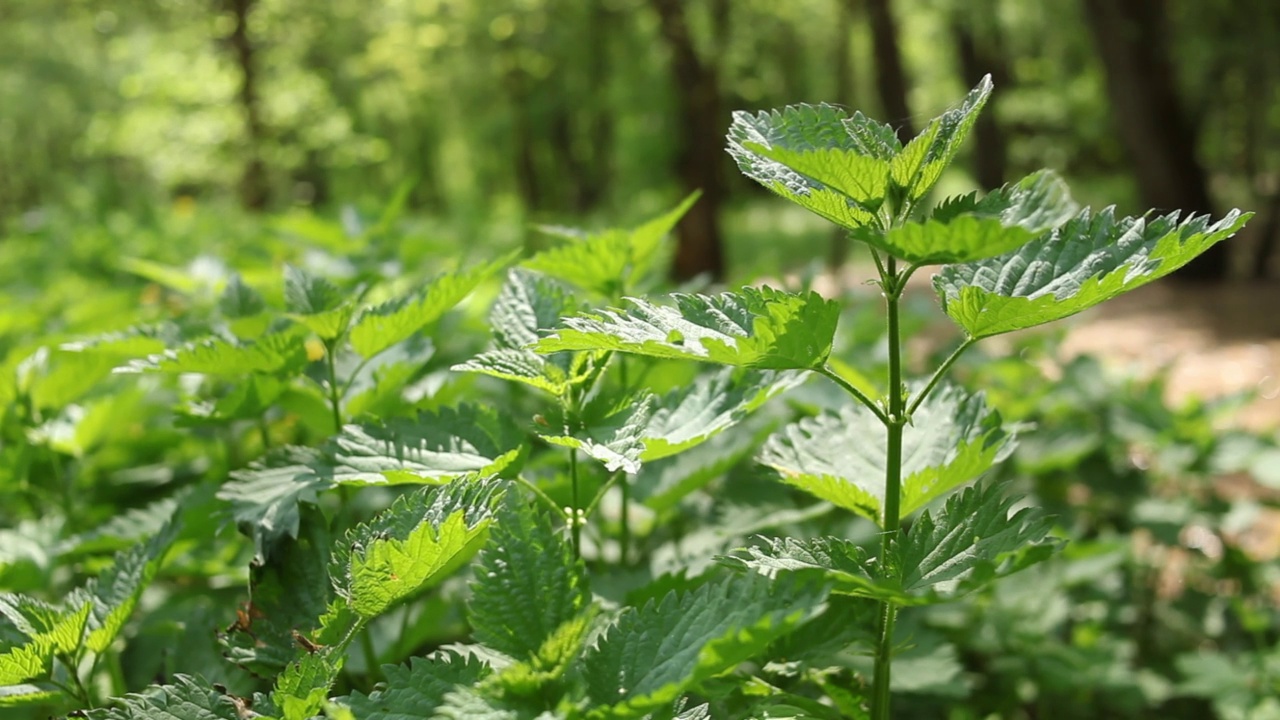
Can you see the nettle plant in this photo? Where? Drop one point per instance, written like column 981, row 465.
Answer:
column 1019, row 257
column 777, row 629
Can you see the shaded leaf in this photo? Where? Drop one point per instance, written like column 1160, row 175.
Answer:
column 288, row 593
column 188, row 698
column 656, row 653
column 617, row 439
column 527, row 584
column 264, row 497
column 316, row 303
column 418, row 690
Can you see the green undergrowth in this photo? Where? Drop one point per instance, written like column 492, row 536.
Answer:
column 331, row 469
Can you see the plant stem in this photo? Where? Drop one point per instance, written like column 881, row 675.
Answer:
column 937, row 375
column 545, row 498
column 575, row 519
column 625, row 530
column 892, row 284
column 855, row 392
column 373, row 670
column 335, row 400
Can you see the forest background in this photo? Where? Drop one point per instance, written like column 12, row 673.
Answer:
column 493, row 115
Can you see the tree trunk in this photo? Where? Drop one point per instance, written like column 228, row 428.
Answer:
column 891, row 80
column 699, row 155
column 1155, row 129
column 838, row 253
column 253, row 180
column 978, row 58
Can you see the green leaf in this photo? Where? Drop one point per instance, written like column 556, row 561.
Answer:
column 1090, row 259
column 303, row 687
column 378, row 328
column 416, row 691
column 519, row 365
column 974, row 539
column 840, row 457
column 616, row 439
column 807, row 154
column 288, row 593
column 264, row 497
column 34, row 632
column 29, row 694
column 527, row 304
column 1002, row 221
column 657, row 653
column 316, row 303
column 917, row 168
column 413, row 544
column 527, row 584
column 849, row 568
column 115, row 592
column 282, row 352
column 761, row 328
column 187, row 698
column 715, row 401
column 436, row 447
column 57, row 377
column 607, row 262
column 238, row 300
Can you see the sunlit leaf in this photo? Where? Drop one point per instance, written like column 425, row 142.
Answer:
column 316, row 303
column 761, row 328
column 714, row 402
column 415, row 543
column 607, row 262
column 282, row 352
column 379, row 327
column 840, row 457
column 1090, row 259
column 807, row 154
column 917, row 168
column 1002, row 221
column 435, row 447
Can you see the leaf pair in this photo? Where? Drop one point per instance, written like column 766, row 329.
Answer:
column 975, row 538
column 851, row 170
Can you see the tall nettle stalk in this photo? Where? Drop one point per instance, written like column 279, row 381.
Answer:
column 1021, row 256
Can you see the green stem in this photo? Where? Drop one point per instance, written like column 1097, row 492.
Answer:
column 545, row 498
column 855, row 392
column 575, row 519
column 595, row 501
column 892, row 491
column 937, row 375
column 373, row 669
column 335, row 400
column 624, row 541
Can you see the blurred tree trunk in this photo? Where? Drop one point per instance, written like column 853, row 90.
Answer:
column 699, row 145
column 254, row 190
column 980, row 51
column 843, row 94
column 1154, row 127
column 891, row 80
